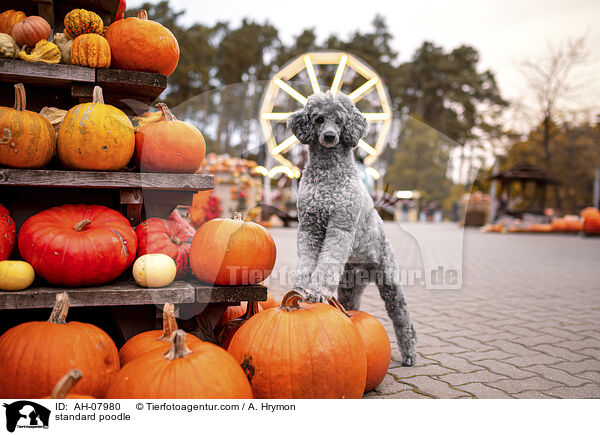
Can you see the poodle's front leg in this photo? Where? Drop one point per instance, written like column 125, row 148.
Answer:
column 308, row 244
column 333, row 257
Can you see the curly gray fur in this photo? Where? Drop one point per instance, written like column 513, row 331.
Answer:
column 341, row 243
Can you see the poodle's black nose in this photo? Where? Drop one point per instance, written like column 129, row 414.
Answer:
column 329, row 137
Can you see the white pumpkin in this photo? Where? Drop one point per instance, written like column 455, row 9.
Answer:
column 154, row 270
column 15, row 275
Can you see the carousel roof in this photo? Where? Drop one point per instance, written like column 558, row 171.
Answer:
column 525, row 171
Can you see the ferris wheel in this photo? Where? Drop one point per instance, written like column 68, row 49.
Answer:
column 316, row 72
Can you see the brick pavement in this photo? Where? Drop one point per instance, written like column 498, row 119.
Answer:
column 526, row 323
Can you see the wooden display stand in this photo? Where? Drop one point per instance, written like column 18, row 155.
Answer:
column 121, row 308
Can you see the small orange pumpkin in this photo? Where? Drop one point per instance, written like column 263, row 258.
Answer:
column 9, row 18
column 90, row 50
column 232, row 252
column 269, row 303
column 200, row 371
column 35, row 355
column 31, row 30
column 140, row 44
column 170, row 146
column 27, row 139
column 149, row 341
column 63, row 387
column 225, row 332
column 95, row 136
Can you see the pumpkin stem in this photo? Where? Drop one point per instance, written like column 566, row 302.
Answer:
column 238, row 216
column 166, row 112
column 65, row 384
column 142, row 14
column 251, row 310
column 169, row 322
column 20, row 100
column 179, row 347
column 176, row 240
column 97, row 95
column 80, row 226
column 291, row 301
column 61, row 309
column 336, row 304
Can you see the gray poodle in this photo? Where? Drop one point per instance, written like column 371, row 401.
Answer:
column 341, row 243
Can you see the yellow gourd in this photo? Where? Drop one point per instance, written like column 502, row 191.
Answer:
column 15, row 275
column 43, row 51
column 154, row 270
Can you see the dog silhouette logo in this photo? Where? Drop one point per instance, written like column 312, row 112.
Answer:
column 26, row 415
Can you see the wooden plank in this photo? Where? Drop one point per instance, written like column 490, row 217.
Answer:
column 129, row 293
column 92, row 179
column 118, row 81
column 39, row 73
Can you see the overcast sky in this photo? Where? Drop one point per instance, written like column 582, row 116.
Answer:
column 505, row 32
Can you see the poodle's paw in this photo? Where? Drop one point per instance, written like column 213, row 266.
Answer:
column 409, row 360
column 314, row 297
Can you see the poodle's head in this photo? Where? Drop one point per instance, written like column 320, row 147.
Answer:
column 328, row 120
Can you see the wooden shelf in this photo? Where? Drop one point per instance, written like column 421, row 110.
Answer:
column 92, row 179
column 129, row 293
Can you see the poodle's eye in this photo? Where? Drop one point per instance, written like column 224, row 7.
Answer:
column 339, row 121
column 320, row 119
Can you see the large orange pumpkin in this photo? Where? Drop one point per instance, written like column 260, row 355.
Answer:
column 8, row 233
column 376, row 341
column 200, row 371
column 9, row 18
column 31, row 30
column 76, row 245
column 301, row 351
column 27, row 139
column 232, row 252
column 170, row 146
column 590, row 212
column 62, row 389
column 149, row 341
column 35, row 355
column 140, row 44
column 95, row 136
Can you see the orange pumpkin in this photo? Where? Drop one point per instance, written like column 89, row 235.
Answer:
column 31, row 30
column 64, row 386
column 149, row 341
column 225, row 332
column 232, row 252
column 35, row 355
column 95, row 136
column 591, row 224
column 269, row 303
column 170, row 146
column 559, row 225
column 9, row 18
column 200, row 371
column 572, row 224
column 376, row 341
column 590, row 212
column 90, row 50
column 140, row 44
column 301, row 351
column 27, row 139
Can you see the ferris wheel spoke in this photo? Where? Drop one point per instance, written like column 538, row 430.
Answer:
column 286, row 144
column 276, row 116
column 311, row 74
column 367, row 148
column 337, row 79
column 290, row 91
column 380, row 116
column 362, row 89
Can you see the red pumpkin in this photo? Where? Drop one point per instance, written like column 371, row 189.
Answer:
column 8, row 232
column 163, row 236
column 225, row 332
column 301, row 351
column 232, row 252
column 200, row 371
column 170, row 146
column 34, row 356
column 591, row 224
column 141, row 44
column 149, row 341
column 77, row 245
column 31, row 30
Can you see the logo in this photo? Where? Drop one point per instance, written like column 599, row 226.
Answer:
column 26, row 415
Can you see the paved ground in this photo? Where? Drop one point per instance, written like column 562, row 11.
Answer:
column 526, row 323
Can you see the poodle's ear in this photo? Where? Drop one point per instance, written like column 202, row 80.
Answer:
column 299, row 124
column 355, row 128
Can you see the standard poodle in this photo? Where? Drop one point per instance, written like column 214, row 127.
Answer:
column 341, row 242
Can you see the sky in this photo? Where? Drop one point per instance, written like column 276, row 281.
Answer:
column 505, row 32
